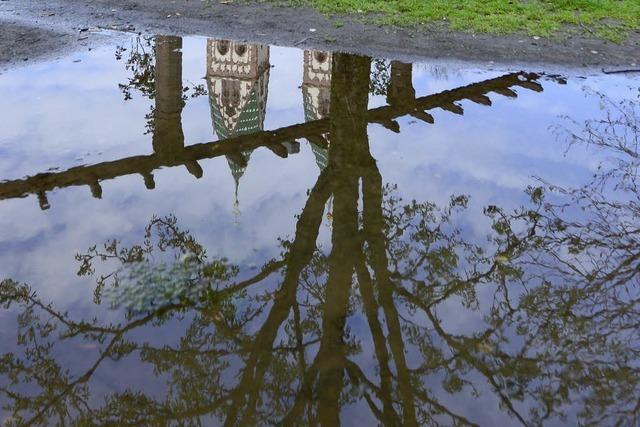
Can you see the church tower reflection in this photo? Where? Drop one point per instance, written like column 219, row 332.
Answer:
column 316, row 94
column 237, row 81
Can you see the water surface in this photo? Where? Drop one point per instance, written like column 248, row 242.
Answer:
column 208, row 232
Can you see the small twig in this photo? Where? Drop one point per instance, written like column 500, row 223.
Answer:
column 301, row 41
column 588, row 29
column 631, row 70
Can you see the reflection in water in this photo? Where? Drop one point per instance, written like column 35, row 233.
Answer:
column 241, row 135
column 321, row 334
column 168, row 138
column 238, row 80
column 316, row 93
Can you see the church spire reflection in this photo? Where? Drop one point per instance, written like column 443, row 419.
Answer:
column 316, row 95
column 238, row 81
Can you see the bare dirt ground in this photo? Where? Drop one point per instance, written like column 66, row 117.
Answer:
column 24, row 43
column 35, row 29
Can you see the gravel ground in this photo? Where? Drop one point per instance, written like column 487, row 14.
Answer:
column 42, row 29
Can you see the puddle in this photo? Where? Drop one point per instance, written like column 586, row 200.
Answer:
column 207, row 231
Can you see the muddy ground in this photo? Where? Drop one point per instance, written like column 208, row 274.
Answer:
column 35, row 29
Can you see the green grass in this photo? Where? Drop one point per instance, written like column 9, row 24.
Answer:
column 608, row 19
